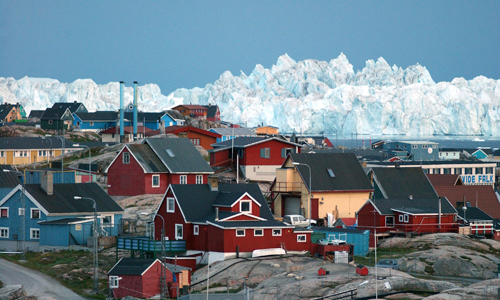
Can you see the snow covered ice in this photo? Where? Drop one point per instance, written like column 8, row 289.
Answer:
column 309, row 96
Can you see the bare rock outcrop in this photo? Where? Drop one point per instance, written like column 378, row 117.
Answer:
column 14, row 292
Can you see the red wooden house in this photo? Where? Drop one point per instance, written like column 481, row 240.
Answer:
column 197, row 136
column 197, row 111
column 226, row 220
column 150, row 167
column 140, row 278
column 213, row 113
column 257, row 157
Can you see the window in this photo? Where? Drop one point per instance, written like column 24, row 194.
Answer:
column 196, row 229
column 126, row 158
column 113, row 282
column 479, row 170
column 21, row 153
column 489, row 170
column 437, row 171
column 258, row 232
column 91, row 123
column 389, row 146
column 107, row 221
column 276, row 232
column 246, row 206
column 178, row 232
column 468, row 171
column 286, row 151
column 446, row 153
column 183, row 179
column 35, row 213
column 170, row 205
column 240, row 232
column 446, row 171
column 199, row 179
column 406, row 218
column 2, row 154
column 195, row 141
column 330, row 172
column 21, row 211
column 301, row 238
column 400, row 218
column 389, row 221
column 50, row 122
column 156, row 180
column 4, row 212
column 34, row 233
column 434, row 146
column 78, row 227
column 265, row 152
column 425, row 146
column 4, row 232
column 170, row 152
column 458, row 171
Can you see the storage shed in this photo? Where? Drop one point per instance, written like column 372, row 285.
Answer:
column 359, row 238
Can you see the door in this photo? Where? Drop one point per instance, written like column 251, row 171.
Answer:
column 292, row 206
column 314, row 209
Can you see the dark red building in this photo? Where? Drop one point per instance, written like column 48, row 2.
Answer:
column 150, row 167
column 225, row 220
column 197, row 111
column 257, row 157
column 213, row 113
column 197, row 136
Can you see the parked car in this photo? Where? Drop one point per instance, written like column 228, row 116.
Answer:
column 388, row 263
column 298, row 220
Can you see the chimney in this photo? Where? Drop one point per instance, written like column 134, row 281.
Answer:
column 122, row 133
column 135, row 110
column 216, row 214
column 162, row 127
column 410, row 197
column 214, row 184
column 74, row 102
column 47, row 183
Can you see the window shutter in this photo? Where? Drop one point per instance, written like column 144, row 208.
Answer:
column 283, row 152
column 263, row 152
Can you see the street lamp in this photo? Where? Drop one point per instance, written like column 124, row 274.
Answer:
column 23, row 216
column 96, row 241
column 90, row 154
column 163, row 271
column 310, row 188
column 50, row 153
column 465, row 210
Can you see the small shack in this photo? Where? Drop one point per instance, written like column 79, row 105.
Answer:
column 359, row 238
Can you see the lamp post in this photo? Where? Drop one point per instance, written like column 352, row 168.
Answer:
column 90, row 157
column 23, row 216
column 50, row 153
column 310, row 188
column 96, row 241
column 465, row 211
column 163, row 271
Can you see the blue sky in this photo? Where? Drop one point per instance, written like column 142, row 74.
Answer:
column 191, row 43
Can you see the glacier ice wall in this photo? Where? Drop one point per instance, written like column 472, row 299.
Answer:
column 309, row 96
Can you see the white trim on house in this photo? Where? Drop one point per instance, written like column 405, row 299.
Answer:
column 39, row 213
column 240, row 235
column 242, row 196
column 196, row 230
column 255, row 232
column 299, row 238
column 242, row 214
column 8, row 211
column 167, row 204
column 153, row 180
column 7, row 232
column 182, row 228
column 32, row 231
column 28, row 195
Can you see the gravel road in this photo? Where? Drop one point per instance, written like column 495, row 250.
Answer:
column 35, row 283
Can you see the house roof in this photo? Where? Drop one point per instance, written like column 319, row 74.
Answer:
column 348, row 173
column 444, row 179
column 97, row 116
column 205, row 200
column 137, row 266
column 486, row 197
column 62, row 201
column 190, row 106
column 175, row 129
column 147, row 158
column 413, row 206
column 85, row 167
column 57, row 110
column 340, row 230
column 186, row 158
column 145, row 116
column 5, row 109
column 34, row 143
column 66, row 221
column 237, row 131
column 431, row 162
column 474, row 213
column 36, row 113
column 8, row 179
column 126, row 130
column 244, row 142
column 211, row 110
column 400, row 183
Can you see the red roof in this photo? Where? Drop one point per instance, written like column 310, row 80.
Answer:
column 127, row 130
column 486, row 197
column 349, row 221
column 444, row 179
column 191, row 106
column 175, row 129
column 328, row 143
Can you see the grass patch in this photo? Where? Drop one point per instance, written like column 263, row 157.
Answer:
column 429, row 269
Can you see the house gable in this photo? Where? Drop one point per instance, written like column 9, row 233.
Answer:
column 27, row 195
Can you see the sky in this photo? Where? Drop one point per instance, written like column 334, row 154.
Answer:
column 186, row 44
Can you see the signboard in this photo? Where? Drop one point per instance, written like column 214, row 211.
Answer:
column 478, row 179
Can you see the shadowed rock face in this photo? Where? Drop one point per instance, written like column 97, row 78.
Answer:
column 14, row 292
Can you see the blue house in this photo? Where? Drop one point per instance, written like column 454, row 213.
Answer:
column 415, row 150
column 53, row 219
column 95, row 121
column 231, row 133
column 150, row 120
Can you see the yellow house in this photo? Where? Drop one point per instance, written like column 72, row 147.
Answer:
column 267, row 130
column 28, row 150
column 339, row 186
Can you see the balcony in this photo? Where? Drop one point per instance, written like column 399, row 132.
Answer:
column 288, row 187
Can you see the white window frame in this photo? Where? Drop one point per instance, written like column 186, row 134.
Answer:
column 394, row 221
column 4, row 208
column 249, row 206
column 111, row 223
column 177, row 237
column 240, row 235
column 172, row 210
column 39, row 213
column 2, row 153
column 126, row 155
column 277, row 234
column 32, row 233
column 299, row 238
column 6, row 231
column 199, row 179
column 153, row 180
column 196, row 229
column 400, row 218
column 255, row 232
column 406, row 218
column 183, row 179
column 22, row 211
column 114, row 283
column 414, row 146
column 78, row 227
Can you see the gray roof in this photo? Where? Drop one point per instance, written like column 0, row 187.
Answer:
column 147, row 158
column 97, row 116
column 62, row 201
column 349, row 175
column 428, row 162
column 136, row 266
column 333, row 229
column 5, row 109
column 148, row 116
column 474, row 213
column 400, row 183
column 414, row 206
column 8, row 179
column 237, row 131
column 65, row 221
column 211, row 110
column 243, row 142
column 33, row 143
column 57, row 110
column 186, row 158
column 36, row 113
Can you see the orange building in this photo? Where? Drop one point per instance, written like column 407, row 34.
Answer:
column 197, row 136
column 267, row 130
column 192, row 110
